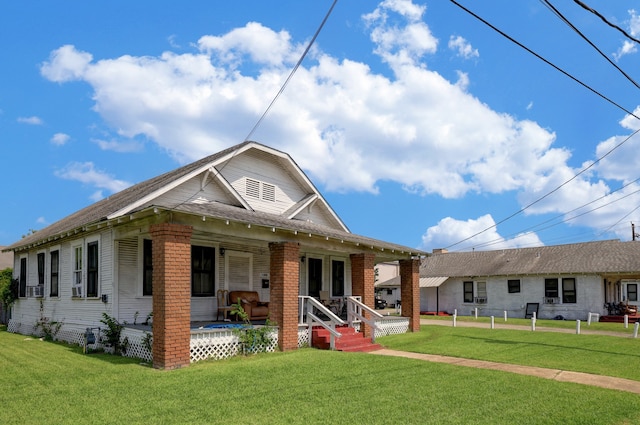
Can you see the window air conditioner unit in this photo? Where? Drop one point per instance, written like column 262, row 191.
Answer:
column 36, row 291
column 76, row 291
column 481, row 300
column 551, row 300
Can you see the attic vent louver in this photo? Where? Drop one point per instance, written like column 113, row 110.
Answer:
column 268, row 192
column 260, row 190
column 253, row 188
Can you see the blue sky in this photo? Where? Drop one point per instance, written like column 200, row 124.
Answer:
column 420, row 124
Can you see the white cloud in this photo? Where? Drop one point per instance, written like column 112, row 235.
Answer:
column 41, row 220
column 60, row 139
column 348, row 126
column 449, row 231
column 462, row 47
column 30, row 120
column 628, row 46
column 86, row 173
column 66, row 64
column 118, row 145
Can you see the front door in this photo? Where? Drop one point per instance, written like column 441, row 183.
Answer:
column 315, row 276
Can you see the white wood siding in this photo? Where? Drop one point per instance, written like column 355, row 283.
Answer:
column 70, row 311
column 263, row 168
column 191, row 192
column 589, row 297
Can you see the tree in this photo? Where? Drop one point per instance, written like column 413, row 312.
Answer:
column 8, row 288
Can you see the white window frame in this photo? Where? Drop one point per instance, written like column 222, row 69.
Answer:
column 77, row 273
column 83, row 245
column 217, row 266
column 50, row 268
column 229, row 253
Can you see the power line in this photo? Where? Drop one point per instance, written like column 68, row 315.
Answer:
column 273, row 101
column 573, row 78
column 585, row 38
column 548, row 62
column 538, row 227
column 293, row 71
column 599, row 15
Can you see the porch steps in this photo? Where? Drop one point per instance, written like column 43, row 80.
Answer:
column 350, row 340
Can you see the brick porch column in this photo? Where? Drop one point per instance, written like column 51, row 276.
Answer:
column 284, row 270
column 171, row 295
column 410, row 292
column 362, row 283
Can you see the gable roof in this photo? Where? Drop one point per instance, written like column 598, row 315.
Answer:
column 144, row 196
column 601, row 257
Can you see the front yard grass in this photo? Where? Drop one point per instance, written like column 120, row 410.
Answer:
column 50, row 383
column 599, row 354
column 540, row 323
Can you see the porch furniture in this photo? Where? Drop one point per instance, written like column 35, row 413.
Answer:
column 223, row 308
column 250, row 301
column 331, row 304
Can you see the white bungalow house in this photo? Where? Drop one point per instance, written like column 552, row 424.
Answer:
column 246, row 218
column 561, row 281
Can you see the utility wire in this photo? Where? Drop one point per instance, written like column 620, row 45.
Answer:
column 508, row 37
column 273, row 101
column 573, row 78
column 530, row 229
column 585, row 38
column 293, row 71
column 599, row 15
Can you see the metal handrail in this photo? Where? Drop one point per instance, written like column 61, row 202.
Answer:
column 355, row 311
column 308, row 304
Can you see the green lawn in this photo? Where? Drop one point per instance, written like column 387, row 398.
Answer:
column 49, row 383
column 540, row 323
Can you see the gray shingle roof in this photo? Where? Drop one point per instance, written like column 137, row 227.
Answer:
column 610, row 256
column 100, row 210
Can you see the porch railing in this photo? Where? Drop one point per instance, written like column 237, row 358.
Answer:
column 355, row 313
column 309, row 306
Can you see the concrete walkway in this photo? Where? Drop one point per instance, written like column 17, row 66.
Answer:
column 601, row 381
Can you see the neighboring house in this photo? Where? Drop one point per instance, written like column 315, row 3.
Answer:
column 567, row 281
column 6, row 259
column 388, row 282
column 246, row 218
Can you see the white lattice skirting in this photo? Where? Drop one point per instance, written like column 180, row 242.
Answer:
column 215, row 344
column 133, row 339
column 392, row 326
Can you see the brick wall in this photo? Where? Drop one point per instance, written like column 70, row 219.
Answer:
column 410, row 292
column 284, row 272
column 362, row 282
column 171, row 295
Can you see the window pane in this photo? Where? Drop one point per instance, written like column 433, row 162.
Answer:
column 569, row 290
column 632, row 292
column 147, row 271
column 551, row 288
column 468, row 292
column 22, row 289
column 41, row 269
column 513, row 286
column 92, row 269
column 202, row 271
column 55, row 264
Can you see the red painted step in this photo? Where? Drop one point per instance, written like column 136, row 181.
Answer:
column 350, row 340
